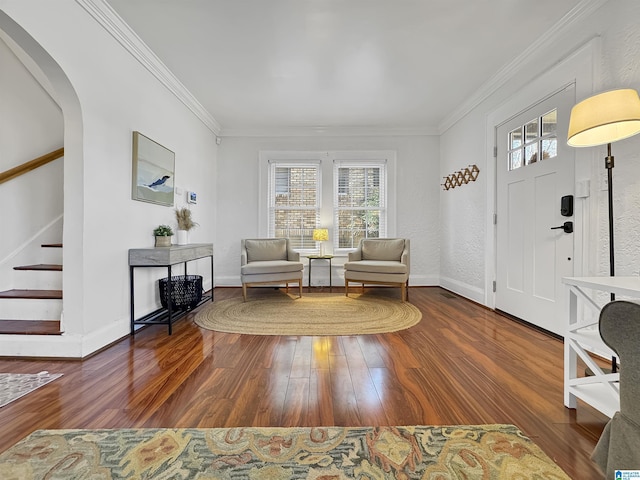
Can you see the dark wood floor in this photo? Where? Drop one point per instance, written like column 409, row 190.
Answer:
column 462, row 364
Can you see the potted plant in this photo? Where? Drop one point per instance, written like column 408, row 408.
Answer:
column 163, row 235
column 185, row 223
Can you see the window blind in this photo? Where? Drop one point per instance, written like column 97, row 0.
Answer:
column 360, row 202
column 294, row 202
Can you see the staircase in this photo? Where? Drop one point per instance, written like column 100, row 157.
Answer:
column 44, row 299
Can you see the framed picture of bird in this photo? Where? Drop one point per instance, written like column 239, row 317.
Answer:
column 153, row 171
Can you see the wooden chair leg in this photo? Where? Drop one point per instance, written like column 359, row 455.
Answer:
column 300, row 288
column 286, row 287
column 346, row 287
column 244, row 291
column 403, row 290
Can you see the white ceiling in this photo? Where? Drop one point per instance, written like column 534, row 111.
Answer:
column 385, row 64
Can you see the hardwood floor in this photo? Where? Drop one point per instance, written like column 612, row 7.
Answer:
column 462, row 364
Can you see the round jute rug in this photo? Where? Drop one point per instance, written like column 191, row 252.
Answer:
column 313, row 314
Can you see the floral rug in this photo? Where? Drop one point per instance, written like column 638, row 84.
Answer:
column 323, row 453
column 16, row 385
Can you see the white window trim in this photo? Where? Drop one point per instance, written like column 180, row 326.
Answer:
column 326, row 159
column 365, row 163
column 316, row 165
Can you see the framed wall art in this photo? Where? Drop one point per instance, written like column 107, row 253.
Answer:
column 153, row 171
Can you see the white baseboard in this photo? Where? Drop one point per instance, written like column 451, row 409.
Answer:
column 62, row 346
column 105, row 336
column 465, row 290
column 424, row 280
column 414, row 281
column 42, row 346
column 228, row 281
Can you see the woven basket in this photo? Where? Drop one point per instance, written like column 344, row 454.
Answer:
column 186, row 291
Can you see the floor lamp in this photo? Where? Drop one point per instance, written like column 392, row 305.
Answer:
column 603, row 119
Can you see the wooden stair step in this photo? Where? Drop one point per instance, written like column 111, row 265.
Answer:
column 46, row 267
column 51, row 245
column 33, row 294
column 30, row 327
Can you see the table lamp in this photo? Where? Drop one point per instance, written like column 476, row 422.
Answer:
column 321, row 235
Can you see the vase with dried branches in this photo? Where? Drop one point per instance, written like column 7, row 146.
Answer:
column 185, row 223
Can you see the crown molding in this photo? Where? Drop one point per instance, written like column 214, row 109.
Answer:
column 506, row 73
column 118, row 29
column 328, row 132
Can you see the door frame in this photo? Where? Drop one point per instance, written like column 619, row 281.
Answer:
column 581, row 67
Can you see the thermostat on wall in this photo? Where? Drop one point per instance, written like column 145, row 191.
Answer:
column 192, row 197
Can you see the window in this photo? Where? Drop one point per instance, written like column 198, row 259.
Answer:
column 539, row 135
column 352, row 193
column 359, row 202
column 294, row 202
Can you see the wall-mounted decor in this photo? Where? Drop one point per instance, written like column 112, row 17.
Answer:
column 461, row 177
column 153, row 171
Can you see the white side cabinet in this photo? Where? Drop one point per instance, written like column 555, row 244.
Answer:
column 582, row 336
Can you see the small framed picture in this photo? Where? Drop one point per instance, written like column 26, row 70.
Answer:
column 192, row 197
column 153, row 167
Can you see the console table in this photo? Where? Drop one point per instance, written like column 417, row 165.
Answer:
column 165, row 257
column 602, row 390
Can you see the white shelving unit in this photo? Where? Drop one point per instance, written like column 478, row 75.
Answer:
column 601, row 390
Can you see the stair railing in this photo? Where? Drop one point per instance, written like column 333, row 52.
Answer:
column 30, row 165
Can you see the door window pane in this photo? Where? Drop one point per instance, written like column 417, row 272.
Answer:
column 531, row 130
column 531, row 153
column 515, row 138
column 549, row 148
column 549, row 122
column 515, row 159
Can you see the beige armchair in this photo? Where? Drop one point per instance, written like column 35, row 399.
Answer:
column 269, row 261
column 379, row 261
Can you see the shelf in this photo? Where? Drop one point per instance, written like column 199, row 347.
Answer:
column 591, row 341
column 161, row 316
column 598, row 396
column 601, row 390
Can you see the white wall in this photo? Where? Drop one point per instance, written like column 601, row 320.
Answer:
column 116, row 95
column 30, row 126
column 465, row 212
column 417, row 195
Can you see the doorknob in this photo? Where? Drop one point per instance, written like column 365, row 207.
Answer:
column 567, row 227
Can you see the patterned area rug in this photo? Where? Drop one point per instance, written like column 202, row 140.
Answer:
column 333, row 453
column 313, row 314
column 16, row 385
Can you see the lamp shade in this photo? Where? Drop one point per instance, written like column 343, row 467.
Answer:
column 321, row 234
column 604, row 118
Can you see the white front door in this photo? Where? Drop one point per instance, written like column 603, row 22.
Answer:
column 535, row 169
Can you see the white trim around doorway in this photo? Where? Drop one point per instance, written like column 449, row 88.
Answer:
column 582, row 68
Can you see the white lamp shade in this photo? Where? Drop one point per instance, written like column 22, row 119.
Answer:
column 605, row 118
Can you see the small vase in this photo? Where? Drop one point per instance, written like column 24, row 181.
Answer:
column 183, row 237
column 163, row 241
